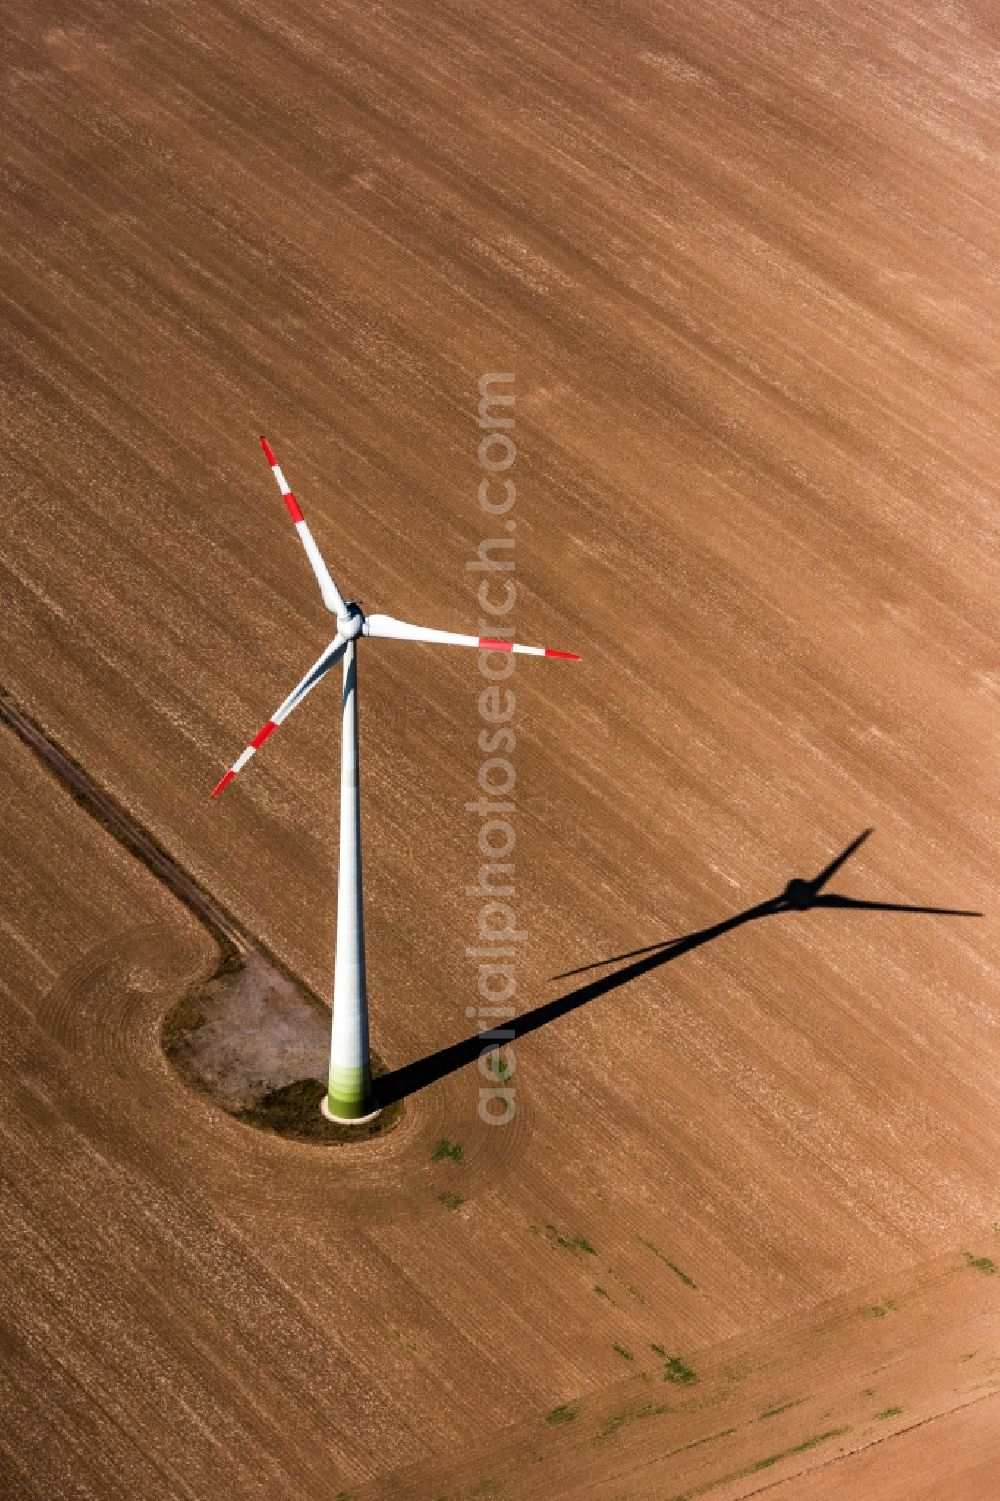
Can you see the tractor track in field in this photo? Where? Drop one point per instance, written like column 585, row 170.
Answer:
column 233, row 939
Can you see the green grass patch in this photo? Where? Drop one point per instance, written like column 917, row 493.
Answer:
column 879, row 1310
column 621, row 1350
column 602, row 1292
column 888, row 1412
column 570, row 1242
column 674, row 1368
column 446, row 1149
column 688, row 1281
column 564, row 1414
column 450, row 1200
column 980, row 1263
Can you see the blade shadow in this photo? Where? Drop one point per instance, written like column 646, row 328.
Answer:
column 850, row 903
column 413, row 1076
column 651, row 948
column 831, row 870
column 798, row 896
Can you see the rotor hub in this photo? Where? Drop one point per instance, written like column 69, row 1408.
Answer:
column 349, row 625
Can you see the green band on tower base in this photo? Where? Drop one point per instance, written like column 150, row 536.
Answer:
column 350, row 1094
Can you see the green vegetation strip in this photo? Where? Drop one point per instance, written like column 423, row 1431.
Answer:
column 630, row 1415
column 772, row 1412
column 574, row 1243
column 688, row 1281
column 760, row 1464
column 710, row 1438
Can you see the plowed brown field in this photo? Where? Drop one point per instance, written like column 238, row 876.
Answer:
column 741, row 260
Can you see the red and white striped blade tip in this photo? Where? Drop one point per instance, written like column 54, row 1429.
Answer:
column 294, row 509
column 251, row 750
column 487, row 643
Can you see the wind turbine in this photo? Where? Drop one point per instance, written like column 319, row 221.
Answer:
column 350, row 1097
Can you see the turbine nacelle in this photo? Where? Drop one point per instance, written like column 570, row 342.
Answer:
column 351, row 624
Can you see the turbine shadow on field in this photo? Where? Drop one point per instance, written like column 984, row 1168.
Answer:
column 798, row 896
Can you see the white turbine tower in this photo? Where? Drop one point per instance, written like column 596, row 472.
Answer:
column 350, row 1097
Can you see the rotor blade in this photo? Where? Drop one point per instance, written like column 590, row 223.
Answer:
column 332, row 597
column 832, row 900
column 319, row 669
column 835, row 864
column 401, row 630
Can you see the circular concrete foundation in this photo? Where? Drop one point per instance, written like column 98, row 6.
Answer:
column 343, row 1120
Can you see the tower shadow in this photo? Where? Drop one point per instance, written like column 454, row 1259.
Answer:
column 799, row 895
